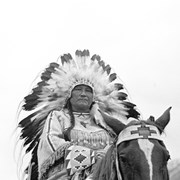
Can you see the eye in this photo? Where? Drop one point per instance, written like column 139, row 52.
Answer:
column 89, row 90
column 123, row 158
column 77, row 88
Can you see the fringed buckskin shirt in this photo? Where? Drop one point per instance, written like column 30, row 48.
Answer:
column 53, row 147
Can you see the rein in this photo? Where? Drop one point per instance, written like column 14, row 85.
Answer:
column 142, row 131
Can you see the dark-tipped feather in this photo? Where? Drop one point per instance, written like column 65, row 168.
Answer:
column 78, row 53
column 118, row 86
column 112, row 77
column 85, row 52
column 45, row 76
column 31, row 105
column 54, row 65
column 132, row 112
column 93, row 57
column 32, row 129
column 66, row 58
column 122, row 96
column 107, row 69
column 33, row 99
column 96, row 57
column 41, row 84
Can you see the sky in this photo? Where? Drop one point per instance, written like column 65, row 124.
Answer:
column 139, row 39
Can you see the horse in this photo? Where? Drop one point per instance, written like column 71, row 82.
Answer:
column 138, row 153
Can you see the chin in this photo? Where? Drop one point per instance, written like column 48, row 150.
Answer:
column 84, row 107
column 84, row 103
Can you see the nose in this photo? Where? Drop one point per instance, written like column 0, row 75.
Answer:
column 83, row 92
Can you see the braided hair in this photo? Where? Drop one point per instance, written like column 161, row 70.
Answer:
column 72, row 120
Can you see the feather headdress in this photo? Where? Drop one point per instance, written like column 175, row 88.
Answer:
column 57, row 82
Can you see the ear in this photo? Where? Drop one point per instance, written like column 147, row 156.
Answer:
column 164, row 119
column 115, row 124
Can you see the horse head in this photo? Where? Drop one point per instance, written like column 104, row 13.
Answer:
column 139, row 152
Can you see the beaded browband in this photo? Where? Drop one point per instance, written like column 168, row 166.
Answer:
column 142, row 131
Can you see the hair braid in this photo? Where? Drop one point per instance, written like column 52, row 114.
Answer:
column 72, row 120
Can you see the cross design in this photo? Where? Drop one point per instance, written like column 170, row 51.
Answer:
column 144, row 131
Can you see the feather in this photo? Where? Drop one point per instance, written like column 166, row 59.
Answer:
column 41, row 84
column 51, row 68
column 93, row 57
column 31, row 105
column 85, row 52
column 66, row 58
column 37, row 89
column 31, row 126
column 122, row 96
column 46, row 76
column 129, row 104
column 32, row 170
column 78, row 53
column 31, row 97
column 54, row 65
column 107, row 68
column 118, row 86
column 132, row 112
column 112, row 77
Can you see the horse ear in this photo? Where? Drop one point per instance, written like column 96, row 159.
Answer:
column 164, row 119
column 113, row 123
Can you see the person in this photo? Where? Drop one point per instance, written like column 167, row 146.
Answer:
column 78, row 106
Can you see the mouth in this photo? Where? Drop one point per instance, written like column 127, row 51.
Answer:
column 83, row 100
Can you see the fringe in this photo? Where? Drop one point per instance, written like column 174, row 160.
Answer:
column 59, row 153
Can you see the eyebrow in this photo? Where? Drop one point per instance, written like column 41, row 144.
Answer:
column 89, row 88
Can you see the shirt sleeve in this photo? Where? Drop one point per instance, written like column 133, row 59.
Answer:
column 54, row 131
column 52, row 138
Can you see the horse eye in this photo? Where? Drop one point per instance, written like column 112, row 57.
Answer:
column 123, row 158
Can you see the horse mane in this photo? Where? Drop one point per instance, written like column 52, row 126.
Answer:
column 105, row 168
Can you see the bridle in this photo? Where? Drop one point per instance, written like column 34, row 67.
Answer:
column 141, row 131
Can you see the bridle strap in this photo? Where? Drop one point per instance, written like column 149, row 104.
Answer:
column 117, row 166
column 142, row 131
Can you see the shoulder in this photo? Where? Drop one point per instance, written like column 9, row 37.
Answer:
column 60, row 113
column 62, row 116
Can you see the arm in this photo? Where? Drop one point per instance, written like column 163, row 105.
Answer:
column 52, row 144
column 53, row 132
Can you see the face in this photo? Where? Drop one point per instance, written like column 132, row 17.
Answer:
column 143, row 159
column 81, row 98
